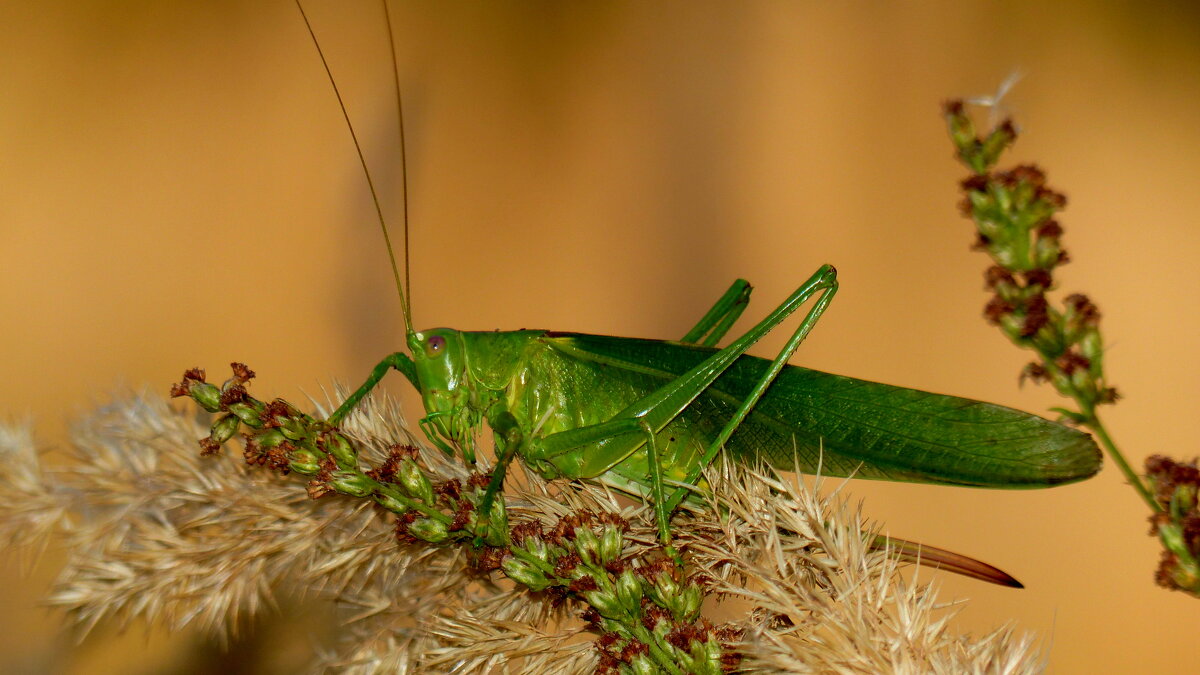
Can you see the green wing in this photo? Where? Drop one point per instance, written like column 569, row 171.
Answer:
column 845, row 426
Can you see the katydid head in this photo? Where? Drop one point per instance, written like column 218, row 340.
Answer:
column 440, row 360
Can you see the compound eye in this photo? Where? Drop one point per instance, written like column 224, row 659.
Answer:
column 434, row 346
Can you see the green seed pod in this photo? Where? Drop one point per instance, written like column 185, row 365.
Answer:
column 709, row 654
column 269, row 438
column 1046, row 253
column 690, row 602
column 1060, row 381
column 630, row 591
column 701, row 660
column 1011, row 325
column 1092, row 346
column 665, row 585
column 537, row 547
column 497, row 525
column 304, row 456
column 1005, row 256
column 1184, row 578
column 689, row 661
column 587, row 546
column 247, row 414
column 390, row 503
column 1172, row 538
column 1020, row 195
column 304, row 468
column 1003, row 198
column 611, row 544
column 1083, row 381
column 1184, row 498
column 224, row 428
column 293, row 429
column 525, row 574
column 353, row 484
column 982, row 203
column 606, row 603
column 414, row 481
column 207, row 395
column 430, row 530
column 994, row 145
column 663, row 627
column 340, row 449
column 304, row 462
column 642, row 665
column 962, row 129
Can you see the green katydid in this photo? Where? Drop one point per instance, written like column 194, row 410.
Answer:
column 647, row 416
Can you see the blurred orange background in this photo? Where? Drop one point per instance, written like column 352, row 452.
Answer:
column 178, row 189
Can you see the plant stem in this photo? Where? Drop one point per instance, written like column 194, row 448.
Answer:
column 1093, row 422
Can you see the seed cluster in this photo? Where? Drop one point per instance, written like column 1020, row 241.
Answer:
column 1014, row 214
column 1176, row 488
column 644, row 607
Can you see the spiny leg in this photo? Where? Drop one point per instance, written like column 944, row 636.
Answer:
column 661, row 406
column 636, row 429
column 718, row 320
column 510, row 437
column 824, row 284
column 398, row 360
column 611, row 442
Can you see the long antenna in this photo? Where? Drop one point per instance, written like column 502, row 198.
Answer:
column 403, row 152
column 367, row 172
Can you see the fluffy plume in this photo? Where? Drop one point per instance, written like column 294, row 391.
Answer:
column 157, row 533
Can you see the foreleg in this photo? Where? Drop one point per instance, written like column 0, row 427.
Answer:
column 398, row 361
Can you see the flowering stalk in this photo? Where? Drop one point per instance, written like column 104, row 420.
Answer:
column 1014, row 213
column 646, row 611
column 158, row 534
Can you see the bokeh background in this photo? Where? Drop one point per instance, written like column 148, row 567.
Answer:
column 177, row 188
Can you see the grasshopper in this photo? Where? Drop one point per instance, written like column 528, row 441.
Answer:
column 648, row 416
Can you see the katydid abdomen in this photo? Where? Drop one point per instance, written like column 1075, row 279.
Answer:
column 806, row 420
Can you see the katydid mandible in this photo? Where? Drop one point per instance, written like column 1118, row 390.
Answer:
column 647, row 416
